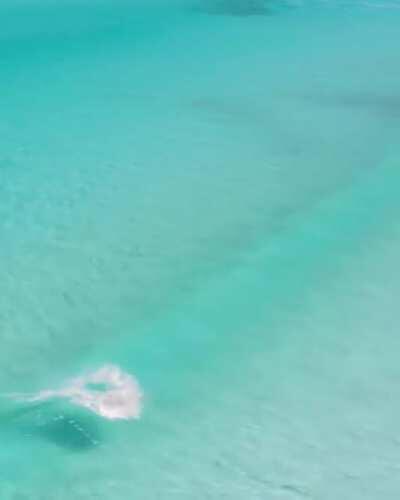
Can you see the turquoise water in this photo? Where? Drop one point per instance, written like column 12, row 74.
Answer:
column 206, row 195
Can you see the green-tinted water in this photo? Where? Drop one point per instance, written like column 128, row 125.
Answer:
column 209, row 200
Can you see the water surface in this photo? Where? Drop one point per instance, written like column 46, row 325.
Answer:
column 204, row 194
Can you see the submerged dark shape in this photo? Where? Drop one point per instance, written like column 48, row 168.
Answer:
column 237, row 7
column 241, row 110
column 71, row 431
column 381, row 105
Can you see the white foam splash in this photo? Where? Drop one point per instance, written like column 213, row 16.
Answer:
column 119, row 397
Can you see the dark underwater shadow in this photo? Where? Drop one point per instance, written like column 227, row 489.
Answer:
column 238, row 8
column 70, row 431
column 74, row 430
column 383, row 106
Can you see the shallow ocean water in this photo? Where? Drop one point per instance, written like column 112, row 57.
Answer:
column 204, row 194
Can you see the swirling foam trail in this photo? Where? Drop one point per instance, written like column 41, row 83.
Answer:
column 119, row 398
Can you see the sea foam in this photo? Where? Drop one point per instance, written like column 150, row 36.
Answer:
column 109, row 392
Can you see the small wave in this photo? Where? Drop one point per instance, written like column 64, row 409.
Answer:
column 109, row 392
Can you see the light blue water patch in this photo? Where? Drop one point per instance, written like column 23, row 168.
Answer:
column 204, row 194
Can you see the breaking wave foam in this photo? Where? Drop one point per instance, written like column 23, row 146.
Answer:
column 108, row 392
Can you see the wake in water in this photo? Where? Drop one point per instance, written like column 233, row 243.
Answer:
column 108, row 392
